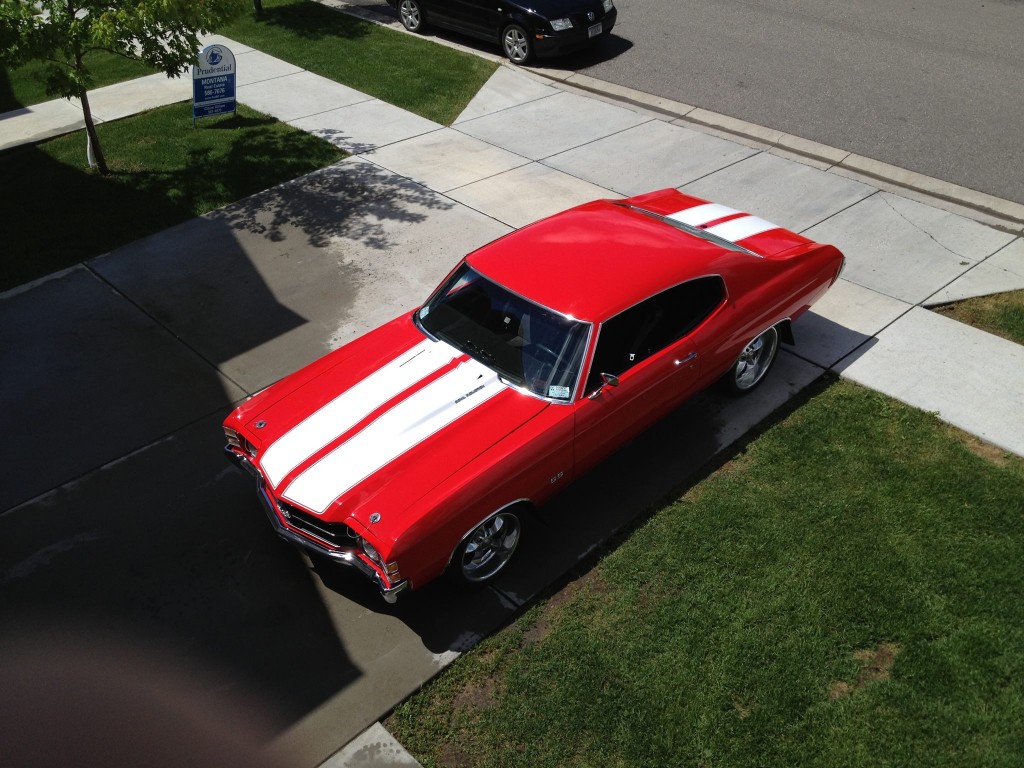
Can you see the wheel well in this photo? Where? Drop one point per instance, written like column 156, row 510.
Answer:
column 518, row 20
column 786, row 332
column 526, row 506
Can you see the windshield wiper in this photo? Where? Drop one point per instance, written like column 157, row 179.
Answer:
column 478, row 351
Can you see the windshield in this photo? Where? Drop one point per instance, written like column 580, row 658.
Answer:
column 529, row 346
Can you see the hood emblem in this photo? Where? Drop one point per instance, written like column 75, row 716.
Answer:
column 468, row 394
column 260, row 424
column 590, row 15
column 375, row 517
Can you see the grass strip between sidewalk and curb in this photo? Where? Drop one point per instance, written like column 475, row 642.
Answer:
column 431, row 80
column 1001, row 314
column 164, row 172
column 845, row 591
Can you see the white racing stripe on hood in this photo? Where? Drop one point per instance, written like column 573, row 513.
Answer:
column 352, row 406
column 409, row 423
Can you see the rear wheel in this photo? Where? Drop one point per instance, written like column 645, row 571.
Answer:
column 516, row 44
column 753, row 363
column 411, row 14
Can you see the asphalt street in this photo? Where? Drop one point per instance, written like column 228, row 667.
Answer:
column 934, row 86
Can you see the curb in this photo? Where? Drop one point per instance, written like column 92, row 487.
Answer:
column 1002, row 214
column 993, row 211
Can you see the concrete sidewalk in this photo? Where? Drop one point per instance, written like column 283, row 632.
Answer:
column 524, row 148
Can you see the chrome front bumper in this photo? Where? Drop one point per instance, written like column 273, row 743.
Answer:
column 344, row 555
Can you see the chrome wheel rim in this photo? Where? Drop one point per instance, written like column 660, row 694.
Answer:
column 490, row 547
column 410, row 15
column 517, row 47
column 755, row 359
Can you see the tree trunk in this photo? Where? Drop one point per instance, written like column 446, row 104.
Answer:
column 90, row 127
column 94, row 141
column 257, row 6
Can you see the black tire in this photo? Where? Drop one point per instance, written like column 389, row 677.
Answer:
column 410, row 13
column 516, row 44
column 488, row 548
column 753, row 363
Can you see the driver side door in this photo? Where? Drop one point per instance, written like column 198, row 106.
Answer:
column 650, row 350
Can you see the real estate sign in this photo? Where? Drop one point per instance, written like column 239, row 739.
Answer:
column 213, row 82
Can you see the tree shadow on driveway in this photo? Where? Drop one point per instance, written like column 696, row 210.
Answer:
column 122, row 517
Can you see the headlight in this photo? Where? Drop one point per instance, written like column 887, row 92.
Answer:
column 236, row 440
column 369, row 551
column 608, row 5
column 560, row 25
column 390, row 569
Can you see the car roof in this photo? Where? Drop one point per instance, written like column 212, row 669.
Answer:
column 593, row 261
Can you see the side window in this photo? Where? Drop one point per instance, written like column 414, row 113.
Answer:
column 614, row 346
column 640, row 331
column 688, row 305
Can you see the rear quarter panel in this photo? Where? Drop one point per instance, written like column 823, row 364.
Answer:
column 763, row 292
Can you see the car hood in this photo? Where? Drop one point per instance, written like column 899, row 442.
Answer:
column 554, row 9
column 376, row 432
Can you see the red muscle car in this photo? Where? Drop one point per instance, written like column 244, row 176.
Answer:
column 417, row 449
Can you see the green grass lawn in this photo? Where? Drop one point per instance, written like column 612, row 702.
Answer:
column 1001, row 314
column 60, row 213
column 25, row 85
column 431, row 80
column 164, row 172
column 847, row 591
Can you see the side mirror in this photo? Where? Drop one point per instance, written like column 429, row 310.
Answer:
column 608, row 380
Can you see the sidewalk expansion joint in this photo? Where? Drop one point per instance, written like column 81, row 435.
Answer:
column 162, row 325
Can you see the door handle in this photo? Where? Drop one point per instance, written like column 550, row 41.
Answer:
column 688, row 358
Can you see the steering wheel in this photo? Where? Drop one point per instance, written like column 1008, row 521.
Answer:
column 547, row 355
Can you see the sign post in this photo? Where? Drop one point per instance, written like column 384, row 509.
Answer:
column 213, row 82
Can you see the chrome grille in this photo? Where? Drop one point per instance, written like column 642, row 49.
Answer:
column 335, row 534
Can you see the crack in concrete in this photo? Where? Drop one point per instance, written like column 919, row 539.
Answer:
column 919, row 228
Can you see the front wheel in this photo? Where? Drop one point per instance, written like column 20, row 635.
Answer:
column 487, row 549
column 753, row 363
column 516, row 44
column 411, row 14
